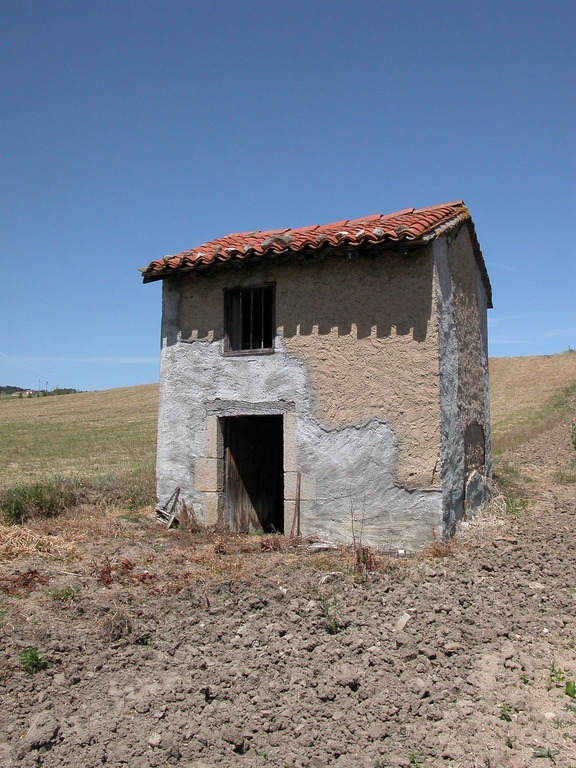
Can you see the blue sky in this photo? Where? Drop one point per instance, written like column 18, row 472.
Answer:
column 129, row 130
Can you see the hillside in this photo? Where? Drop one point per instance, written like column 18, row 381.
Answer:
column 84, row 433
column 529, row 395
column 115, row 430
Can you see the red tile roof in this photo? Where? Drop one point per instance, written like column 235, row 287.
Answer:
column 408, row 226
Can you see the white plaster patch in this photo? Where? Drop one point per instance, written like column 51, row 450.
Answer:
column 356, row 495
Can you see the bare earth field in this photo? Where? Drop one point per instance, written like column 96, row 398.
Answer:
column 200, row 649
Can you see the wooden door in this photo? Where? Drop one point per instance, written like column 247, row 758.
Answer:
column 253, row 473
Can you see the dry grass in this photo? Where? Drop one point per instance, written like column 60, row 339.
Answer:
column 96, row 447
column 438, row 548
column 18, row 541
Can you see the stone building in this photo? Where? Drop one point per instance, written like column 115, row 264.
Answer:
column 337, row 374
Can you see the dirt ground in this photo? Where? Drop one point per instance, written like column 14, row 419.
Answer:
column 172, row 648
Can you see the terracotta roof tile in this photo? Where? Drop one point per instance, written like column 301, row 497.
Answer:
column 407, row 226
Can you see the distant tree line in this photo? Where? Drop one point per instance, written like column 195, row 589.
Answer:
column 8, row 390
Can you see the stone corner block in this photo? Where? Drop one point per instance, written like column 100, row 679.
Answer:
column 206, row 475
column 210, row 508
column 211, row 438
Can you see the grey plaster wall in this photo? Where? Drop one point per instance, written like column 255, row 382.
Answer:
column 357, row 495
column 464, row 384
column 483, row 311
column 451, row 428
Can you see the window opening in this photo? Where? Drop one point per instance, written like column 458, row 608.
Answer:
column 249, row 319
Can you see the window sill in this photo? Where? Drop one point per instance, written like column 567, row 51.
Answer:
column 248, row 352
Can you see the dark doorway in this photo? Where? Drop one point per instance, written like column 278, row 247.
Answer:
column 253, row 473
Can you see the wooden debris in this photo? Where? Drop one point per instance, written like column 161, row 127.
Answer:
column 166, row 514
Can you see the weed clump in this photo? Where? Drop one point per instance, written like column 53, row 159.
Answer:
column 271, row 544
column 366, row 559
column 50, row 498
column 438, row 547
column 22, row 583
column 557, row 676
column 32, row 661
column 329, row 609
column 547, row 753
column 116, row 626
column 40, row 499
column 65, row 594
column 564, row 477
column 511, row 485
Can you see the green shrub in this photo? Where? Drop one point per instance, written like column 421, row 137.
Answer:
column 65, row 594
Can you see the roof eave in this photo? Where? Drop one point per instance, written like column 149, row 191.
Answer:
column 454, row 223
column 306, row 254
column 461, row 218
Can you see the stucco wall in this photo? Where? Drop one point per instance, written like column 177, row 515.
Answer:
column 355, row 373
column 367, row 331
column 451, row 428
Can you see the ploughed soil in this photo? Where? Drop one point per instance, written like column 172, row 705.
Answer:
column 190, row 649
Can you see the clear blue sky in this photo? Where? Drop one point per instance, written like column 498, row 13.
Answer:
column 129, row 130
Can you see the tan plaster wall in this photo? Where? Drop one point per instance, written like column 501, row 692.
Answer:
column 472, row 363
column 366, row 330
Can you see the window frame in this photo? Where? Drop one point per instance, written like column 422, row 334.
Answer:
column 228, row 319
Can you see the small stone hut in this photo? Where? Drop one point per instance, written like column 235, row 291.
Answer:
column 332, row 377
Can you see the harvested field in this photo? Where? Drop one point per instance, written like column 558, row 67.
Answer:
column 530, row 395
column 207, row 649
column 83, row 434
